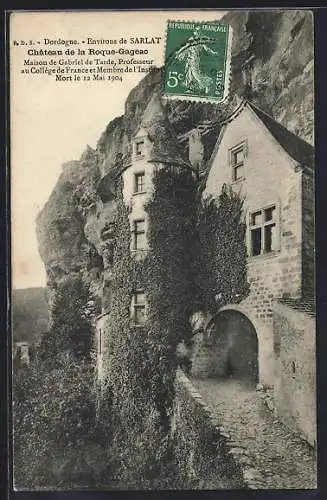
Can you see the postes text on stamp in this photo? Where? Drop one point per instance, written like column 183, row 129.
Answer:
column 197, row 61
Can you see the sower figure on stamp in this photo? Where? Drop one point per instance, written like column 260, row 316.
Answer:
column 190, row 54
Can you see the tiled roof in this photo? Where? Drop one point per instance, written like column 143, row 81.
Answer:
column 297, row 148
column 305, row 305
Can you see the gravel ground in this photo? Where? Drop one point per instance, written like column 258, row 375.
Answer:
column 279, row 459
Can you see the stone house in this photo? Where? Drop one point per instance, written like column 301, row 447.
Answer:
column 260, row 338
column 273, row 170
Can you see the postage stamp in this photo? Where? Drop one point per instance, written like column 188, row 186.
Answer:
column 197, row 61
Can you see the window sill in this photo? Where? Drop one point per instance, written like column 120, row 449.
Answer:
column 139, row 255
column 138, row 192
column 237, row 181
column 264, row 256
column 136, row 325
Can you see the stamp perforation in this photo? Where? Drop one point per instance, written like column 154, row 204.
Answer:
column 206, row 99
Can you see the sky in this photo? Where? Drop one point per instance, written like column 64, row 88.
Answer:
column 52, row 122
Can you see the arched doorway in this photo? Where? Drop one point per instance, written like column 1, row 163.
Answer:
column 234, row 346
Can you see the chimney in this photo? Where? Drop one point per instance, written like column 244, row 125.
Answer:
column 195, row 149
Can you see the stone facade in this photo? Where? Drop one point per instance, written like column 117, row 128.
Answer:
column 295, row 388
column 308, row 237
column 270, row 177
column 241, row 340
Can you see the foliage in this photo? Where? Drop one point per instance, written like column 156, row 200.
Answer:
column 127, row 358
column 54, row 398
column 142, row 360
column 146, row 459
column 221, row 268
column 201, row 459
column 71, row 329
column 169, row 276
column 53, row 416
column 196, row 254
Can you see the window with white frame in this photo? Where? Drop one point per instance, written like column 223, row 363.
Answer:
column 139, row 308
column 263, row 231
column 139, row 182
column 139, row 238
column 237, row 157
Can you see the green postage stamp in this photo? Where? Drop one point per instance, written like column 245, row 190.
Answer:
column 197, row 61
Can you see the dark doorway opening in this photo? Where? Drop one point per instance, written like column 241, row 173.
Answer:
column 235, row 347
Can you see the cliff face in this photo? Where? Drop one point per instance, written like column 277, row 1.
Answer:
column 280, row 70
column 272, row 66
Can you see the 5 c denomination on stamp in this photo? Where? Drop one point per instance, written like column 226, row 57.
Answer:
column 197, row 61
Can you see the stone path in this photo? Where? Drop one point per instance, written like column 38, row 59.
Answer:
column 277, row 457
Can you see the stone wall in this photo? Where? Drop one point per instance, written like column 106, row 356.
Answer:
column 201, row 356
column 204, row 450
column 295, row 390
column 270, row 177
column 308, row 237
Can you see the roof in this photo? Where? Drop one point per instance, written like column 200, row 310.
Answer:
column 305, row 305
column 298, row 149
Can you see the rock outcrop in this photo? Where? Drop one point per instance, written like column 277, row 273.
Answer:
column 272, row 65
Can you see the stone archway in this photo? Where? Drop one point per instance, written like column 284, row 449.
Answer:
column 234, row 347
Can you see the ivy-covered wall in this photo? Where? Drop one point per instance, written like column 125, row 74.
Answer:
column 140, row 361
column 181, row 272
column 221, row 263
column 220, row 270
column 203, row 451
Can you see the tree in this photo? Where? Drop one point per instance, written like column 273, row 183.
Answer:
column 71, row 330
column 53, row 418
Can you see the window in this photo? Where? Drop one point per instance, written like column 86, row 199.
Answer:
column 139, row 235
column 139, row 148
column 263, row 231
column 23, row 352
column 139, row 183
column 237, row 156
column 139, row 316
